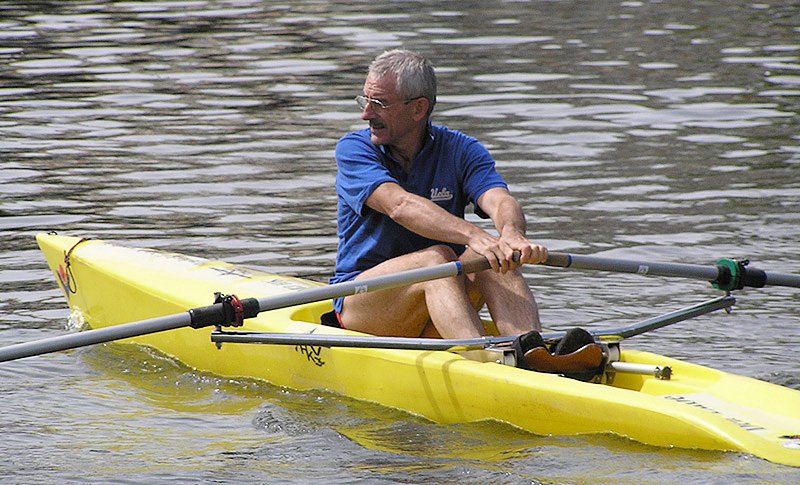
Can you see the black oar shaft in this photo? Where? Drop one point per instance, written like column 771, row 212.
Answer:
column 782, row 279
column 91, row 337
column 577, row 261
column 733, row 275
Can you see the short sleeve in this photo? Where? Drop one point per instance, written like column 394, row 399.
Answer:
column 480, row 174
column 359, row 170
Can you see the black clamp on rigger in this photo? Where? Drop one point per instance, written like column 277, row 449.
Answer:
column 227, row 311
column 232, row 308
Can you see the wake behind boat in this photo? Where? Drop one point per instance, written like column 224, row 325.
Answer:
column 643, row 396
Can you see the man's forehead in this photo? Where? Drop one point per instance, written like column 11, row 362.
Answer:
column 384, row 84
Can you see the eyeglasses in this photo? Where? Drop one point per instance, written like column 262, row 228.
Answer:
column 363, row 101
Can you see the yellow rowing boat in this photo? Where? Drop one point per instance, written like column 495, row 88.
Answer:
column 690, row 407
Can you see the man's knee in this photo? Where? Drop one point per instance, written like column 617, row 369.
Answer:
column 438, row 254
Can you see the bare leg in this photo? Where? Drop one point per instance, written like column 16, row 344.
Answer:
column 511, row 302
column 405, row 311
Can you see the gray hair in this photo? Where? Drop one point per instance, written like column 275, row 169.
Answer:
column 412, row 72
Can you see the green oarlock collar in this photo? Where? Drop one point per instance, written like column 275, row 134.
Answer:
column 734, row 275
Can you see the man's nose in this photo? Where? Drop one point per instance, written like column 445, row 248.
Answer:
column 368, row 113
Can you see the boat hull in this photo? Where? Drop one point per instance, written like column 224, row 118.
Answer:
column 699, row 407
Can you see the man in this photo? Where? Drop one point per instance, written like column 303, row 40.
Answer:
column 402, row 187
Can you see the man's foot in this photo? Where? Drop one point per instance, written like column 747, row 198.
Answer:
column 576, row 355
column 573, row 340
column 524, row 344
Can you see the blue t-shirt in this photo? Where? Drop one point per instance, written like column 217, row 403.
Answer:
column 452, row 170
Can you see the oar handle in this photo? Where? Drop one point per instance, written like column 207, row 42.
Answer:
column 477, row 265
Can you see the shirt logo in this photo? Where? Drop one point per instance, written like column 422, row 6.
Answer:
column 442, row 194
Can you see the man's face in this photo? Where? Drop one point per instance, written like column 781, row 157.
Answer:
column 391, row 126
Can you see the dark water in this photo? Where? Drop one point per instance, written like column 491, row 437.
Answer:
column 663, row 131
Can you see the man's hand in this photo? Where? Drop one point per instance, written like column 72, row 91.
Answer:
column 506, row 213
column 530, row 253
column 500, row 251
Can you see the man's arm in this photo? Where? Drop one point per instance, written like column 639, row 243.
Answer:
column 420, row 215
column 509, row 220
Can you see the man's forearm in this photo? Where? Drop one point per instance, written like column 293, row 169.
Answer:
column 508, row 217
column 427, row 219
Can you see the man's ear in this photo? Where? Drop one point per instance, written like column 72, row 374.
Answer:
column 420, row 108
